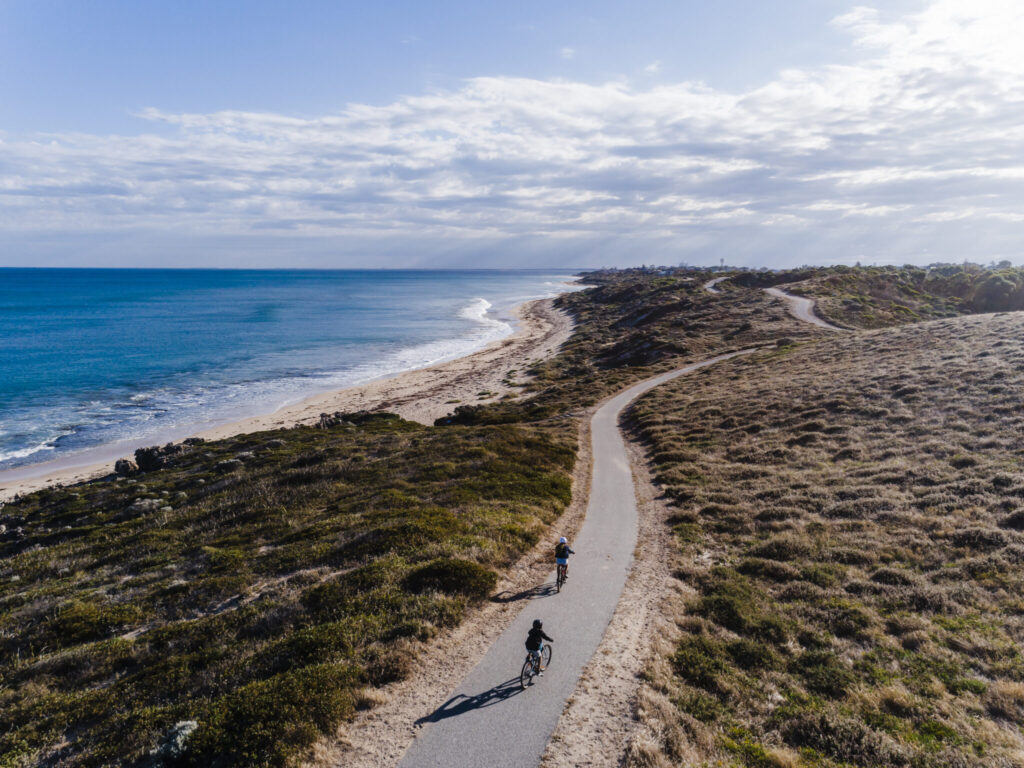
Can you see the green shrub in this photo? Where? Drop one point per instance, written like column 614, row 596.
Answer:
column 752, row 655
column 273, row 722
column 843, row 739
column 749, row 750
column 703, row 707
column 700, row 660
column 455, row 576
column 843, row 617
column 822, row 672
column 78, row 621
column 768, row 569
column 824, row 575
column 322, row 643
column 784, row 548
column 736, row 604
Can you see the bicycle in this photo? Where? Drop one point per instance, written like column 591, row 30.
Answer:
column 560, row 574
column 534, row 665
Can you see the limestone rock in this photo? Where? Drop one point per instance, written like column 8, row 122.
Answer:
column 125, row 467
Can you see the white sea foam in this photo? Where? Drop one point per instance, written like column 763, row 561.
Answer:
column 478, row 309
column 158, row 412
column 31, row 450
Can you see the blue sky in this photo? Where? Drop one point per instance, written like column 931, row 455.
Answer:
column 497, row 134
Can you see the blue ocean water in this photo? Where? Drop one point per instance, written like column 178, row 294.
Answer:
column 93, row 357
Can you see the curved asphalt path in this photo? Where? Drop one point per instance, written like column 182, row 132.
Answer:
column 802, row 308
column 709, row 286
column 489, row 722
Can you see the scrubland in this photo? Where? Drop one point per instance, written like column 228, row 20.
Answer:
column 848, row 514
column 631, row 326
column 846, row 509
column 879, row 297
column 258, row 588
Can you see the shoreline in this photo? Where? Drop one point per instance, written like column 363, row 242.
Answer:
column 420, row 394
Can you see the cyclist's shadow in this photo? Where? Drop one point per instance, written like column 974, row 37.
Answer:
column 460, row 703
column 547, row 589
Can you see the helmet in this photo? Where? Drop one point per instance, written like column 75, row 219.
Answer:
column 563, row 540
column 537, row 623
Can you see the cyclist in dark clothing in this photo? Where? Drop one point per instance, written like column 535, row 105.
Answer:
column 535, row 641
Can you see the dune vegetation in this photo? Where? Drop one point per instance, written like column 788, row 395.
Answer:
column 845, row 507
column 254, row 589
column 879, row 297
column 848, row 514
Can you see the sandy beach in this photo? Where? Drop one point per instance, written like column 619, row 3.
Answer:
column 420, row 395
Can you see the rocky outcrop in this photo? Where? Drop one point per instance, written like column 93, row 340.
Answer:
column 125, row 467
column 357, row 419
column 157, row 457
column 11, row 528
column 143, row 506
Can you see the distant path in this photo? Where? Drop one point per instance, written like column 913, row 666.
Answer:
column 802, row 308
column 709, row 286
column 488, row 721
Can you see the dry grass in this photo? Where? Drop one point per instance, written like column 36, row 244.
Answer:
column 849, row 511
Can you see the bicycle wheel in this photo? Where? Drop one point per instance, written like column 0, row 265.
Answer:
column 526, row 676
column 559, row 578
column 545, row 657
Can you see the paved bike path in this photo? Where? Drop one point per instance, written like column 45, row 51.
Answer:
column 801, row 308
column 709, row 286
column 489, row 721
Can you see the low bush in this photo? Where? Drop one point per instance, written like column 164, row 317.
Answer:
column 700, row 660
column 452, row 575
column 843, row 739
column 823, row 673
column 733, row 601
column 266, row 723
column 785, row 548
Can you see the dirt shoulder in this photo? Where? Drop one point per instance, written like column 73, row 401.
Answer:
column 601, row 720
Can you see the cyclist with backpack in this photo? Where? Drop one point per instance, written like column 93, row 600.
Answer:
column 562, row 552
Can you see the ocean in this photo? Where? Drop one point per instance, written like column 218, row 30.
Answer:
column 95, row 357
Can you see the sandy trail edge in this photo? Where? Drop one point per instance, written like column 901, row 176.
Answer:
column 595, row 727
column 421, row 395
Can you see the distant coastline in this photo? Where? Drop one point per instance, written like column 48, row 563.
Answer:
column 140, row 356
column 536, row 330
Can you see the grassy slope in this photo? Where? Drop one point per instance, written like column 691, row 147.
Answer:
column 271, row 595
column 266, row 596
column 879, row 297
column 848, row 513
column 632, row 326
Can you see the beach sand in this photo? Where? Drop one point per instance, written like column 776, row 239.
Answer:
column 421, row 395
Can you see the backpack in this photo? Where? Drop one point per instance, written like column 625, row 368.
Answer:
column 561, row 550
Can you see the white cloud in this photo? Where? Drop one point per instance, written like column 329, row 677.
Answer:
column 918, row 147
column 568, row 53
column 653, row 68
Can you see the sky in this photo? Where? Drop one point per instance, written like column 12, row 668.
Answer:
column 249, row 133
